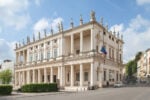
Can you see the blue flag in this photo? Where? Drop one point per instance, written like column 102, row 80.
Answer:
column 103, row 50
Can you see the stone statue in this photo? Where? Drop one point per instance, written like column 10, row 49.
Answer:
column 52, row 30
column 23, row 42
column 118, row 34
column 58, row 27
column 61, row 26
column 16, row 45
column 39, row 35
column 81, row 20
column 45, row 33
column 101, row 21
column 28, row 39
column 33, row 38
column 92, row 16
column 71, row 23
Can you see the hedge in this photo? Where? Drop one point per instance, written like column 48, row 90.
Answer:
column 43, row 87
column 5, row 89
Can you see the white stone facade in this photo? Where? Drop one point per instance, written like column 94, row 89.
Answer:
column 143, row 65
column 71, row 56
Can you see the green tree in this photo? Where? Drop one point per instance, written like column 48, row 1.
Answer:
column 6, row 76
column 131, row 67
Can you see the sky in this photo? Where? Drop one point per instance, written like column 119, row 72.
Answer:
column 22, row 18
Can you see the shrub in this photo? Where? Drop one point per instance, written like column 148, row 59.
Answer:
column 5, row 89
column 43, row 87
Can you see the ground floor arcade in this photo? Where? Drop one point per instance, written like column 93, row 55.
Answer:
column 71, row 77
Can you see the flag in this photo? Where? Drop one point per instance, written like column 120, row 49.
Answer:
column 103, row 50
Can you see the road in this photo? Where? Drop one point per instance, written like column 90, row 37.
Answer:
column 133, row 93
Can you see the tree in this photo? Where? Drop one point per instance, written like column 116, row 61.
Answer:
column 6, row 76
column 131, row 67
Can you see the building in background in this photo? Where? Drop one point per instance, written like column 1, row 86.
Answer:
column 8, row 64
column 143, row 66
column 83, row 56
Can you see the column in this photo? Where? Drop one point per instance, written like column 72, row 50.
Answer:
column 81, row 43
column 62, row 76
column 16, row 79
column 51, row 75
column 51, row 49
column 19, row 58
column 19, row 78
column 72, row 44
column 58, row 72
column 28, row 77
column 39, row 76
column 92, row 39
column 38, row 53
column 81, row 75
column 72, row 75
column 23, row 77
column 28, row 57
column 92, row 74
column 33, row 78
column 45, row 75
column 45, row 52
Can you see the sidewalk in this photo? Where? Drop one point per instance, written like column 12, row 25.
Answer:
column 21, row 95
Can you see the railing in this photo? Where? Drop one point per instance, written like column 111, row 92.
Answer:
column 71, row 57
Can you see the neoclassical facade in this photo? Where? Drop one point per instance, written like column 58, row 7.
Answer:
column 143, row 66
column 72, row 57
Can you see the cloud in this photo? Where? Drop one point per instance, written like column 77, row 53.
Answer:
column 143, row 2
column 6, row 50
column 41, row 25
column 46, row 23
column 117, row 28
column 13, row 13
column 136, row 36
column 38, row 2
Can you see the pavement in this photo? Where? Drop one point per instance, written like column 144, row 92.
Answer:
column 125, row 93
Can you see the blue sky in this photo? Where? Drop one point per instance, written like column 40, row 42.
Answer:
column 22, row 18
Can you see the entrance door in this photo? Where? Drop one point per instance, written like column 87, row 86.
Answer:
column 54, row 78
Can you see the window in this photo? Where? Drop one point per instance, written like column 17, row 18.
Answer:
column 77, row 76
column 113, row 39
column 36, row 56
column 104, row 75
column 97, row 48
column 109, row 37
column 41, row 55
column 48, row 54
column 48, row 43
column 55, row 41
column 42, row 45
column 85, row 76
column 120, row 57
column 68, row 77
column 55, row 52
column 30, row 57
column 112, row 54
column 109, row 52
column 97, row 75
column 104, row 33
column 77, row 51
column 117, row 76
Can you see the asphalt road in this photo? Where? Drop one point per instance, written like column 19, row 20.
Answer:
column 132, row 93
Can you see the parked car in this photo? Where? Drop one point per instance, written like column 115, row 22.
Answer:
column 118, row 84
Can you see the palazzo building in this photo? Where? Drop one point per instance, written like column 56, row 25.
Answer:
column 73, row 58
column 143, row 66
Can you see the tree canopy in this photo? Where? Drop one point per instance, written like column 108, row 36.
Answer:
column 6, row 76
column 131, row 66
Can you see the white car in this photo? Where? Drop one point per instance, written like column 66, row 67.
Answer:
column 118, row 85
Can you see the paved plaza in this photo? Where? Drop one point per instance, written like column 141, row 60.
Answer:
column 132, row 93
